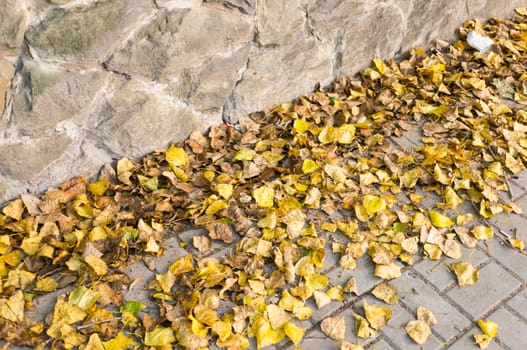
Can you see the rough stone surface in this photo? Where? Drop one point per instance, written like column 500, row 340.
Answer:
column 265, row 81
column 48, row 96
column 85, row 31
column 133, row 119
column 360, row 41
column 326, row 16
column 279, row 22
column 124, row 77
column 31, row 158
column 12, row 23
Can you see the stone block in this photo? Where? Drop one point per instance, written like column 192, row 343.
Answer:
column 134, row 120
column 13, row 16
column 85, row 33
column 276, row 75
column 362, row 38
column 22, row 161
column 200, row 66
column 429, row 20
column 467, row 341
column 494, row 285
column 519, row 303
column 413, row 292
column 511, row 329
column 509, row 257
column 438, row 272
column 244, row 6
column 279, row 22
column 7, row 69
column 395, row 333
column 47, row 95
column 327, row 16
column 484, row 9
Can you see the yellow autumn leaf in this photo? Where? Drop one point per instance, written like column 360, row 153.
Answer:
column 521, row 11
column 125, row 169
column 119, row 342
column 98, row 188
column 452, row 200
column 67, row 312
column 31, row 245
column 265, row 335
column 321, row 299
column 482, row 232
column 373, row 204
column 264, row 196
column 362, row 327
column 225, row 190
column 159, row 336
column 46, row 284
column 181, row 265
column 176, row 157
column 94, row 343
column 346, row 345
column 439, row 220
column 482, row 340
column 334, row 327
column 222, row 329
column 488, row 327
column 166, row 281
column 14, row 209
column 418, row 330
column 83, row 297
column 12, row 309
column 516, row 243
column 388, row 272
column 386, row 293
column 309, row 166
column 97, row 264
column 426, row 315
column 82, row 206
column 216, row 206
column 300, row 125
column 294, row 332
column 377, row 316
column 277, row 316
column 466, row 274
column 244, row 154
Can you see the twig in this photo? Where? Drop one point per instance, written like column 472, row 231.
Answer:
column 88, row 325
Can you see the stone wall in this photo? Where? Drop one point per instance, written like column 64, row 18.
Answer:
column 84, row 82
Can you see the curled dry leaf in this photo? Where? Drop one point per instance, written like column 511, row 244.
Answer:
column 418, row 330
column 334, row 327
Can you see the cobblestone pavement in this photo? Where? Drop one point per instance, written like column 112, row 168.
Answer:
column 500, row 294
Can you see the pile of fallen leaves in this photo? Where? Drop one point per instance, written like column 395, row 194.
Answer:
column 317, row 176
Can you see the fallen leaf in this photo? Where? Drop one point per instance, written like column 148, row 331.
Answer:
column 466, row 274
column 334, row 327
column 418, row 330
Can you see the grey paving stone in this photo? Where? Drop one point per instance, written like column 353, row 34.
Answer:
column 509, row 257
column 363, row 275
column 494, row 285
column 414, row 292
column 519, row 303
column 347, row 313
column 403, row 143
column 512, row 331
column 520, row 179
column 187, row 236
column 316, row 340
column 395, row 332
column 467, row 342
column 511, row 223
column 438, row 273
column 380, row 345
